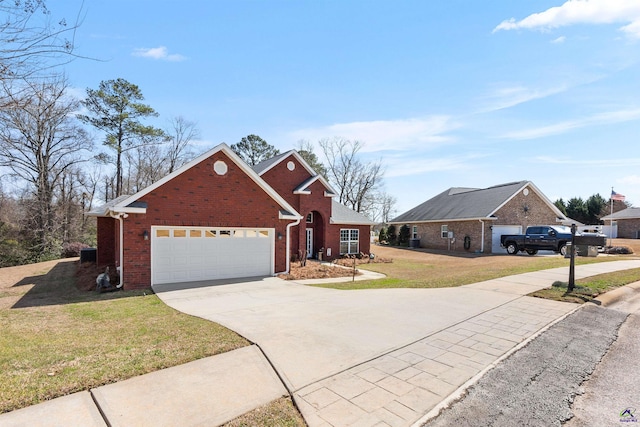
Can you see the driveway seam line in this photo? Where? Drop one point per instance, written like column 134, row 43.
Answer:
column 102, row 413
column 293, row 399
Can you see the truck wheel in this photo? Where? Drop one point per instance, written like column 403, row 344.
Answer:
column 512, row 248
column 563, row 250
column 532, row 251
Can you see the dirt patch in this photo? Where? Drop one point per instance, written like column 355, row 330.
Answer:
column 342, row 267
column 316, row 270
column 88, row 272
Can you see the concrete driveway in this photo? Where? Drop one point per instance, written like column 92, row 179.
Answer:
column 311, row 333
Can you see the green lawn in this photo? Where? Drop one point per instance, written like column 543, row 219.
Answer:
column 422, row 269
column 57, row 340
column 590, row 287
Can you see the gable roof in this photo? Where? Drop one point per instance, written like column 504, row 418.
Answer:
column 628, row 213
column 264, row 166
column 130, row 204
column 340, row 214
column 461, row 203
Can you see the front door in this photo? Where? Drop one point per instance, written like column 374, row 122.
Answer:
column 309, row 242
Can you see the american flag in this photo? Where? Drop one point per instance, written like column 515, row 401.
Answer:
column 617, row 196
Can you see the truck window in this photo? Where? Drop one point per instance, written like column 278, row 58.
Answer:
column 534, row 230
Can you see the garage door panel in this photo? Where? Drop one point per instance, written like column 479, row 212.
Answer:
column 499, row 230
column 182, row 254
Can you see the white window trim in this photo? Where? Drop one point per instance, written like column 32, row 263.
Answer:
column 444, row 231
column 350, row 242
column 414, row 232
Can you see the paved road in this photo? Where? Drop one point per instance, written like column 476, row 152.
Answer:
column 536, row 385
column 614, row 386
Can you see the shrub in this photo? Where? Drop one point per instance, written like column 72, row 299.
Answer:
column 404, row 235
column 619, row 250
column 382, row 236
column 392, row 237
column 70, row 250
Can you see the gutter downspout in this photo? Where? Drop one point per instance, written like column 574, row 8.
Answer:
column 482, row 238
column 120, row 216
column 288, row 265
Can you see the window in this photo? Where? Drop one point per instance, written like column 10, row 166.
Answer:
column 310, row 217
column 349, row 241
column 414, row 232
column 210, row 233
column 444, row 231
column 179, row 233
column 195, row 233
column 162, row 233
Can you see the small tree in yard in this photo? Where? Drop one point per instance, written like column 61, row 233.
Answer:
column 382, row 236
column 404, row 235
column 392, row 236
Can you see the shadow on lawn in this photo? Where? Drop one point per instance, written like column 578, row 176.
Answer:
column 452, row 253
column 58, row 286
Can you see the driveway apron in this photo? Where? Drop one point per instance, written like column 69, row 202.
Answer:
column 383, row 356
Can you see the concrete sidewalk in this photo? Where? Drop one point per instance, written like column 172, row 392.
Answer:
column 206, row 392
column 377, row 357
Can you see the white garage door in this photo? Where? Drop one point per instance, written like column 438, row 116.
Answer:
column 499, row 230
column 187, row 254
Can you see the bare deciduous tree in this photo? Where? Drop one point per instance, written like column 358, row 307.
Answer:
column 40, row 141
column 30, row 42
column 355, row 181
column 181, row 133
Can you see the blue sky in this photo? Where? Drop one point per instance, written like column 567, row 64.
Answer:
column 447, row 93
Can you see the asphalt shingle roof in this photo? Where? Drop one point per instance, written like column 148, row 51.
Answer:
column 459, row 203
column 340, row 214
column 628, row 213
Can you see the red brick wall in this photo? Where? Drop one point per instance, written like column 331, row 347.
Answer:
column 284, row 181
column 200, row 197
column 107, row 249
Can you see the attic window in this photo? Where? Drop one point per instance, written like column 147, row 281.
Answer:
column 220, row 167
column 290, row 165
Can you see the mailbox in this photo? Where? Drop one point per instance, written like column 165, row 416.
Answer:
column 590, row 240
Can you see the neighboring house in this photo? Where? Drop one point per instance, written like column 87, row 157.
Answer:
column 473, row 219
column 626, row 221
column 217, row 218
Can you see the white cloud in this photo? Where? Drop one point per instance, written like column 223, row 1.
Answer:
column 591, row 162
column 631, row 180
column 559, row 40
column 582, row 12
column 160, row 52
column 403, row 166
column 381, row 135
column 510, row 96
column 562, row 127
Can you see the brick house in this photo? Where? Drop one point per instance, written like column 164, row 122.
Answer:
column 473, row 219
column 217, row 218
column 626, row 222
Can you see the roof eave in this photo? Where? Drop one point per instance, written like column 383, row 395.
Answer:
column 444, row 220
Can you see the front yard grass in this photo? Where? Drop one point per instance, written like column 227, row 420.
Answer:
column 421, row 269
column 57, row 340
column 590, row 287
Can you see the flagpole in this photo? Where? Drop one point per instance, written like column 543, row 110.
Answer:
column 611, row 220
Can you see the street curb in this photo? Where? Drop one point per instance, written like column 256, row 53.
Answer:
column 618, row 294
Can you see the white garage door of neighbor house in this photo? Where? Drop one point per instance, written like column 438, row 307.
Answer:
column 187, row 254
column 499, row 230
